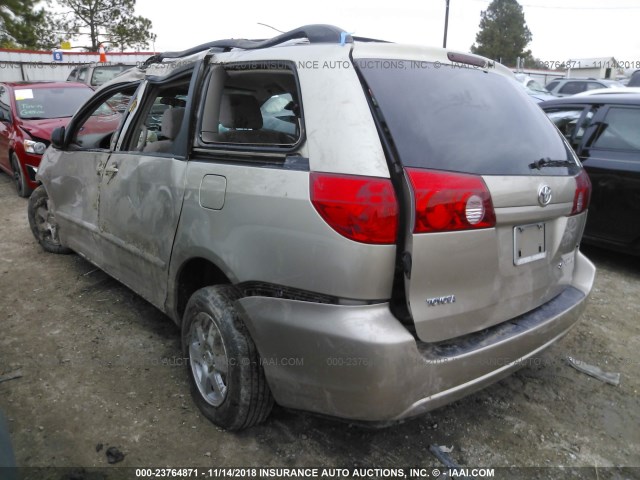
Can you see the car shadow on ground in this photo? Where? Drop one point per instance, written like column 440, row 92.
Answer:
column 611, row 259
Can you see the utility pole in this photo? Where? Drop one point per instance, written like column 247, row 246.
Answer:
column 446, row 25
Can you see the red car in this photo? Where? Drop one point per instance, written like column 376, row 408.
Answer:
column 29, row 111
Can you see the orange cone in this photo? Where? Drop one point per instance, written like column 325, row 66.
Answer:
column 103, row 55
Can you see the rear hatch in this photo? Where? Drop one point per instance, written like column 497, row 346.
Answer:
column 493, row 197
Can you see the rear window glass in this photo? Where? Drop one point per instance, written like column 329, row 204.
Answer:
column 635, row 79
column 463, row 119
column 104, row 74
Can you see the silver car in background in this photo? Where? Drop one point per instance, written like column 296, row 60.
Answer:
column 564, row 87
column 359, row 229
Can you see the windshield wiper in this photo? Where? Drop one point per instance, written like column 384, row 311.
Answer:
column 547, row 162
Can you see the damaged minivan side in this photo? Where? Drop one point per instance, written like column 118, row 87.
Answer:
column 368, row 243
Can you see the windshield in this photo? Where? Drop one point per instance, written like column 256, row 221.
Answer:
column 536, row 87
column 53, row 102
column 463, row 120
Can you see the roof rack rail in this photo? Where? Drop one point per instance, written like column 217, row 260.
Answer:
column 314, row 33
column 368, row 39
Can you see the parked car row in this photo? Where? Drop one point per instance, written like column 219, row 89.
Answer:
column 564, row 87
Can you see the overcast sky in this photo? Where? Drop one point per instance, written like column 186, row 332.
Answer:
column 562, row 29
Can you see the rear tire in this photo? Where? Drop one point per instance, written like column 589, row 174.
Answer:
column 43, row 222
column 22, row 187
column 227, row 380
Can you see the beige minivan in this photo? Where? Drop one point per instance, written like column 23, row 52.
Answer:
column 355, row 228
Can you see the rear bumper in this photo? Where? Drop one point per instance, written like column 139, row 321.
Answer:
column 360, row 363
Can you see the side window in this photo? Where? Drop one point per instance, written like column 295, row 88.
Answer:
column 96, row 129
column 72, row 76
column 620, row 130
column 571, row 88
column 571, row 122
column 252, row 107
column 595, row 85
column 5, row 105
column 160, row 120
column 82, row 75
column 552, row 85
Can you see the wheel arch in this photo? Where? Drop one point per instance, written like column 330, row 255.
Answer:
column 193, row 274
column 11, row 151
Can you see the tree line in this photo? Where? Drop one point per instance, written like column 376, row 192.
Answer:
column 37, row 25
column 503, row 34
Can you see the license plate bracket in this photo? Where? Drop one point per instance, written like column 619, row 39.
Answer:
column 529, row 243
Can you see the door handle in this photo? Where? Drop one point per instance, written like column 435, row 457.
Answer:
column 111, row 169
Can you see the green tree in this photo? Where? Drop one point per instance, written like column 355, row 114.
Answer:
column 111, row 22
column 23, row 25
column 503, row 34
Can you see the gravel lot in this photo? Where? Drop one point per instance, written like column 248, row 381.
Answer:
column 99, row 368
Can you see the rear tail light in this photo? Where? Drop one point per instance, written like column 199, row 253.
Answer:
column 363, row 209
column 583, row 193
column 448, row 201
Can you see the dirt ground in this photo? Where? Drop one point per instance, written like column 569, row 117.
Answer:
column 98, row 369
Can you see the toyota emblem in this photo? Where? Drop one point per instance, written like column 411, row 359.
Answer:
column 544, row 195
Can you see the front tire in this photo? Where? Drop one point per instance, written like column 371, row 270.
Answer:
column 227, row 380
column 43, row 222
column 22, row 187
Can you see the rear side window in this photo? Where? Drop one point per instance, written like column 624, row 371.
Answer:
column 571, row 88
column 252, row 106
column 82, row 75
column 620, row 130
column 462, row 119
column 595, row 86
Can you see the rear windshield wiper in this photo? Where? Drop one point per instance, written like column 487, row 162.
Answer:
column 547, row 162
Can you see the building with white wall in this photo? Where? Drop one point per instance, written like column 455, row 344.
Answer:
column 16, row 65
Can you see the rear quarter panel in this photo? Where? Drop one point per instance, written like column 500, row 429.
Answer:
column 267, row 230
